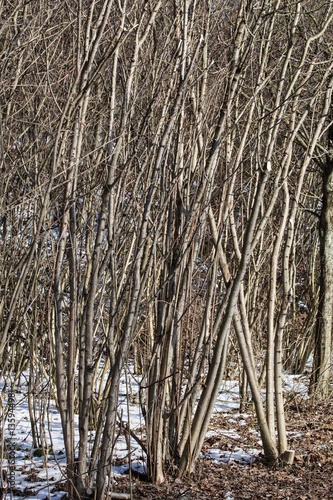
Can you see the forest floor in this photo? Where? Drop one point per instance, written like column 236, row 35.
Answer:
column 230, row 467
column 310, row 431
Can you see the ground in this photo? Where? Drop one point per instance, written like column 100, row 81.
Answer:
column 310, row 477
column 231, row 465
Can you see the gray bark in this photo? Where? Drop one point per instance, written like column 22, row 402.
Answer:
column 319, row 383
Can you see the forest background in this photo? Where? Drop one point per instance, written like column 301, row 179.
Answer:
column 166, row 200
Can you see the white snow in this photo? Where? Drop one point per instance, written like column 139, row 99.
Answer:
column 37, row 476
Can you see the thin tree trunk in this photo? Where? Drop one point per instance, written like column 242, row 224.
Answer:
column 215, row 374
column 319, row 383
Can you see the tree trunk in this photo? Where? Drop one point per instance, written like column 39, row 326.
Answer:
column 319, row 382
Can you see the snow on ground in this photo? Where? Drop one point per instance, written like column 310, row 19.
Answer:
column 35, row 475
column 38, row 476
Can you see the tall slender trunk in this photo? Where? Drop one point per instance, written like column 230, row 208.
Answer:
column 215, row 374
column 323, row 334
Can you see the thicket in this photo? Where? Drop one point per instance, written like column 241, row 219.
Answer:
column 166, row 200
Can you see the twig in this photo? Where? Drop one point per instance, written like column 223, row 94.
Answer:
column 119, row 496
column 124, row 426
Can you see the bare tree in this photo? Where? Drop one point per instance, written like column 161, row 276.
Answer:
column 156, row 160
column 323, row 334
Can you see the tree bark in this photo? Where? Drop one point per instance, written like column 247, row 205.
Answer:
column 319, row 383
